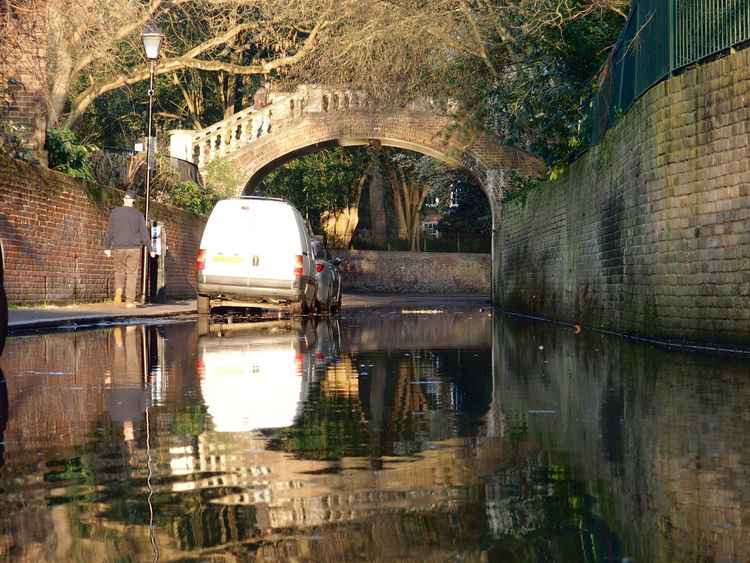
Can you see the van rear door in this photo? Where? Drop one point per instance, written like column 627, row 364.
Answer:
column 248, row 242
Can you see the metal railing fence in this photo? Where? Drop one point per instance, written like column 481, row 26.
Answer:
column 661, row 37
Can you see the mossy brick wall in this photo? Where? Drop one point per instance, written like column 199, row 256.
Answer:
column 53, row 228
column 649, row 232
column 416, row 272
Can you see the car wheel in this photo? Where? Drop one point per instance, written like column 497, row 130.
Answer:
column 297, row 309
column 336, row 305
column 204, row 305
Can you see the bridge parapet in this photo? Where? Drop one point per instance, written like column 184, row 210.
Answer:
column 235, row 132
column 247, row 126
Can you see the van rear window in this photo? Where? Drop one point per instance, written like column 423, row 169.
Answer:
column 235, row 225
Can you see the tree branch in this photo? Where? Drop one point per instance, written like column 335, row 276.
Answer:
column 85, row 98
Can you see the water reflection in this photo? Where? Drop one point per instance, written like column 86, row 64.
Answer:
column 252, row 376
column 3, row 415
column 380, row 437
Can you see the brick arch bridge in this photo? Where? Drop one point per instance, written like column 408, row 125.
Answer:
column 312, row 118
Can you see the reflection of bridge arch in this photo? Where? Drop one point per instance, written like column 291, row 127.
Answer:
column 311, row 118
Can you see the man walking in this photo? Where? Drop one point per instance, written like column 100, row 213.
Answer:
column 126, row 235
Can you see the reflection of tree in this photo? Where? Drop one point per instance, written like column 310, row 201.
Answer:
column 543, row 513
column 330, row 425
column 189, row 419
column 389, row 403
column 408, row 397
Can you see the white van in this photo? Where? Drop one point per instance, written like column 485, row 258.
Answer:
column 256, row 252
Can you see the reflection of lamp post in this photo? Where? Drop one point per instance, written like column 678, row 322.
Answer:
column 152, row 39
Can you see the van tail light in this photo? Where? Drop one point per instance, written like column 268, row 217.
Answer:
column 298, row 263
column 200, row 261
column 299, row 363
column 319, row 267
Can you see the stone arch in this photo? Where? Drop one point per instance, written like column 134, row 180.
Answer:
column 484, row 157
column 257, row 140
column 487, row 159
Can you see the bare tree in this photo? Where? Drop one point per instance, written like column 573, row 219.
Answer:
column 396, row 48
column 93, row 46
column 411, row 179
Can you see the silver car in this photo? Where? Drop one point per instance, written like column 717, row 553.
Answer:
column 328, row 280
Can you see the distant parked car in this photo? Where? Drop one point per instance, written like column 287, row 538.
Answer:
column 256, row 252
column 328, row 279
column 3, row 300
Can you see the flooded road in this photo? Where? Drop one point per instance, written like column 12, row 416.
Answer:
column 382, row 436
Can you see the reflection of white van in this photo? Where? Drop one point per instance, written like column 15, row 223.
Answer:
column 256, row 252
column 254, row 378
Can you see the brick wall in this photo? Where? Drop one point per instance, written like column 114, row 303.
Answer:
column 649, row 232
column 53, row 228
column 23, row 72
column 415, row 272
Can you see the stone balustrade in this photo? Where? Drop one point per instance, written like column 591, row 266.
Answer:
column 239, row 130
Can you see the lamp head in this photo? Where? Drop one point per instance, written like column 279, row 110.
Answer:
column 152, row 39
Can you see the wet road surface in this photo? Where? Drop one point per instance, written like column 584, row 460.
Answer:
column 408, row 434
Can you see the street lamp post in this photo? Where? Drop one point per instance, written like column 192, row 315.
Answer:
column 152, row 39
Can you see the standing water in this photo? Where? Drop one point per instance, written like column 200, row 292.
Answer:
column 383, row 436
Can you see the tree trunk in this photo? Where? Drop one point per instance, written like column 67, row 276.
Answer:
column 398, row 205
column 339, row 226
column 415, row 195
column 378, row 224
column 59, row 86
column 226, row 84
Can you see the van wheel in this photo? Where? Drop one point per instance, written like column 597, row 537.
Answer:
column 204, row 305
column 323, row 309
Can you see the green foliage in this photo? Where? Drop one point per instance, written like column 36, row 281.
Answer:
column 69, row 155
column 98, row 194
column 472, row 215
column 189, row 421
column 521, row 187
column 190, row 196
column 168, row 188
column 130, row 107
column 12, row 142
column 117, row 119
column 318, row 182
column 222, row 177
column 540, row 99
column 557, row 171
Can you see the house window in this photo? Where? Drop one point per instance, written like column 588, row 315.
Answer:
column 430, row 229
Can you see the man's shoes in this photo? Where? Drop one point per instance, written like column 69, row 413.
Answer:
column 131, row 305
column 118, row 296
